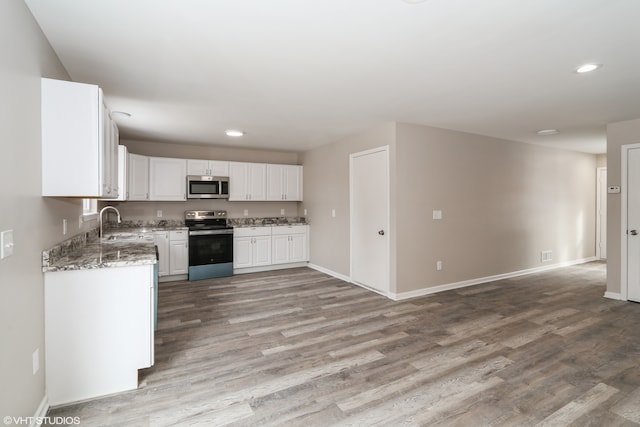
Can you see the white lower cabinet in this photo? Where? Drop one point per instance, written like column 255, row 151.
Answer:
column 178, row 252
column 264, row 248
column 161, row 240
column 251, row 247
column 173, row 253
column 98, row 331
column 289, row 244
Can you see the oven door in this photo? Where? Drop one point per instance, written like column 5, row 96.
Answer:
column 210, row 247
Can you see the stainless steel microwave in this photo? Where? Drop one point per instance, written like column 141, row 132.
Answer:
column 207, row 187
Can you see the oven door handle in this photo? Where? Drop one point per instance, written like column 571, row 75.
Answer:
column 210, row 232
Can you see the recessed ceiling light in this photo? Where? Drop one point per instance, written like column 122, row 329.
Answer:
column 587, row 68
column 233, row 132
column 547, row 132
column 121, row 114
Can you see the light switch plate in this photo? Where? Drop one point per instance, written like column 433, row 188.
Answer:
column 6, row 244
column 437, row 214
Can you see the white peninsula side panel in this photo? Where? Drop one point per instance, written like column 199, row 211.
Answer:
column 98, row 331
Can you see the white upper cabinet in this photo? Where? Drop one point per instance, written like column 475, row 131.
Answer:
column 123, row 170
column 284, row 182
column 167, row 179
column 138, row 177
column 79, row 142
column 247, row 181
column 207, row 167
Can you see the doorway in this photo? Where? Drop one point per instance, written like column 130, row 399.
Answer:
column 369, row 219
column 601, row 211
column 630, row 221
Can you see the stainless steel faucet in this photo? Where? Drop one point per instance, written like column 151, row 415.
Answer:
column 100, row 216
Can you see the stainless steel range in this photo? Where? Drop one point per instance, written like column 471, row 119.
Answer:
column 210, row 244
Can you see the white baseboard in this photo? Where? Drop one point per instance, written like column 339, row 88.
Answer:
column 41, row 412
column 330, row 272
column 613, row 295
column 463, row 284
column 271, row 267
column 472, row 282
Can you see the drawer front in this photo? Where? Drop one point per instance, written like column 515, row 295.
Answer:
column 289, row 229
column 251, row 231
column 179, row 235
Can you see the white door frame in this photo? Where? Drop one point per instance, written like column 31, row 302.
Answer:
column 384, row 148
column 599, row 225
column 624, row 279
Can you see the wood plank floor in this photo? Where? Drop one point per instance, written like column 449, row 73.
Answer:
column 300, row 348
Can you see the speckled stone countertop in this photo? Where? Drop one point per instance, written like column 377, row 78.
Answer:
column 140, row 226
column 266, row 222
column 86, row 251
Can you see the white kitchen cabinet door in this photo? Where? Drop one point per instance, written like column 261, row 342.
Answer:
column 284, row 182
column 298, row 248
column 262, row 250
column 167, row 179
column 161, row 239
column 247, row 181
column 251, row 247
column 207, row 167
column 178, row 252
column 289, row 244
column 280, row 249
column 79, row 147
column 242, row 250
column 138, row 184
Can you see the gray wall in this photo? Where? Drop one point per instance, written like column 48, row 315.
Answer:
column 36, row 222
column 326, row 187
column 503, row 202
column 618, row 134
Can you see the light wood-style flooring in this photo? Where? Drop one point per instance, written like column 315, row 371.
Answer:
column 300, row 348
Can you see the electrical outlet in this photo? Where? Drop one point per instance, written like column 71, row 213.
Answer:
column 64, row 226
column 159, row 213
column 437, row 214
column 438, row 265
column 282, row 212
column 35, row 360
column 246, row 212
column 333, row 213
column 305, row 212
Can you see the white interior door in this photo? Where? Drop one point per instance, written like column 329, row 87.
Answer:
column 369, row 189
column 633, row 224
column 601, row 220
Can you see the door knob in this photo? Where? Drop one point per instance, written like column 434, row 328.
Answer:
column 633, row 232
column 381, row 232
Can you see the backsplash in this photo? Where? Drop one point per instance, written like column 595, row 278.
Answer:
column 140, row 223
column 245, row 221
column 61, row 250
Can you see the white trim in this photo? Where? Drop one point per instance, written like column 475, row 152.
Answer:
column 41, row 412
column 352, row 156
column 613, row 295
column 472, row 282
column 450, row 286
column 624, row 280
column 330, row 272
column 271, row 267
column 599, row 207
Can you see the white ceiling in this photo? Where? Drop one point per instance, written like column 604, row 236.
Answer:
column 296, row 74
